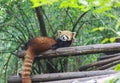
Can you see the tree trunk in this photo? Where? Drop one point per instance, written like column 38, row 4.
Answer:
column 41, row 21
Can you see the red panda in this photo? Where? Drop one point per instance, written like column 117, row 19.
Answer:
column 38, row 45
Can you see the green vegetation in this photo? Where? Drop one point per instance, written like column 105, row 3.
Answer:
column 117, row 79
column 95, row 21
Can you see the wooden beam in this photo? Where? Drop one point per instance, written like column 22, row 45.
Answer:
column 78, row 50
column 61, row 76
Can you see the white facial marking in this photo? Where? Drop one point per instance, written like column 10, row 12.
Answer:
column 64, row 38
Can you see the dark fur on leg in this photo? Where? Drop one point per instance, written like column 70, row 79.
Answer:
column 60, row 44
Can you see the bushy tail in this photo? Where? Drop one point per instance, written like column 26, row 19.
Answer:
column 27, row 66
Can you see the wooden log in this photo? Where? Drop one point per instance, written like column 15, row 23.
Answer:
column 92, row 79
column 98, row 63
column 79, row 50
column 108, row 56
column 111, row 68
column 108, row 65
column 60, row 76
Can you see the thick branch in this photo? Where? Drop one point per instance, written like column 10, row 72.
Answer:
column 60, row 76
column 78, row 50
column 111, row 68
column 108, row 56
column 51, row 28
column 108, row 65
column 92, row 79
column 41, row 21
column 101, row 62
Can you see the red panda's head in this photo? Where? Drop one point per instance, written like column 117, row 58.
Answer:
column 66, row 35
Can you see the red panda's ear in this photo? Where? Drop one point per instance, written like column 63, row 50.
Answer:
column 59, row 32
column 74, row 34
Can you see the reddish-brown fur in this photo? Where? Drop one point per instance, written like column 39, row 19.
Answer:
column 35, row 47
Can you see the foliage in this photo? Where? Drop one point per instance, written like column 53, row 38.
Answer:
column 117, row 79
column 117, row 68
column 37, row 3
column 85, row 5
column 114, row 30
column 19, row 23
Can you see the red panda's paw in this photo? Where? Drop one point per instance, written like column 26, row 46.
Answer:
column 54, row 47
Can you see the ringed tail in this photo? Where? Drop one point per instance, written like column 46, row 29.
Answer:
column 27, row 66
column 35, row 47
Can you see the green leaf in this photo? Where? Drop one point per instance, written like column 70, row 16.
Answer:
column 36, row 30
column 95, row 29
column 105, row 40
column 103, row 6
column 117, row 3
column 75, row 4
column 109, row 81
column 111, row 15
column 101, row 29
column 112, row 39
column 69, row 3
column 118, row 24
column 117, row 67
column 102, row 9
column 37, row 3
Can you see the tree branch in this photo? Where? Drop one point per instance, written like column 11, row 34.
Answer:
column 108, row 56
column 41, row 21
column 24, row 22
column 79, row 28
column 48, row 22
column 78, row 50
column 109, row 65
column 70, row 17
column 98, row 63
column 80, row 17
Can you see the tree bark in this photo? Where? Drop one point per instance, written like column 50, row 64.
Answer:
column 61, row 76
column 78, row 50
